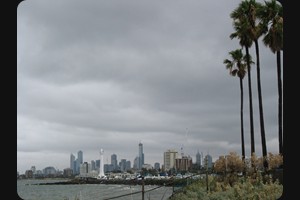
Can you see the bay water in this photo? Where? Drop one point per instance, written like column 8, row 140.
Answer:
column 27, row 190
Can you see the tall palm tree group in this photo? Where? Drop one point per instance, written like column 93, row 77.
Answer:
column 253, row 21
column 237, row 67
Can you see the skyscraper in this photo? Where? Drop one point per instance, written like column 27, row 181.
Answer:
column 141, row 155
column 75, row 164
column 169, row 159
column 98, row 164
column 93, row 165
column 198, row 159
column 72, row 159
column 79, row 161
column 123, row 165
column 136, row 162
column 156, row 166
column 114, row 161
column 208, row 161
column 80, row 157
column 128, row 165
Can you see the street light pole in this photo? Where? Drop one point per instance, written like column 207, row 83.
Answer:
column 206, row 162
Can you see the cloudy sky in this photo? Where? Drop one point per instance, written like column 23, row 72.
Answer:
column 112, row 73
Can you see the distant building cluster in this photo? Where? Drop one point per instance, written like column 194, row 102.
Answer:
column 184, row 162
column 75, row 163
column 46, row 172
column 172, row 162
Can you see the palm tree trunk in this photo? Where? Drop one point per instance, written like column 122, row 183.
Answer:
column 242, row 120
column 279, row 103
column 250, row 103
column 261, row 113
column 242, row 124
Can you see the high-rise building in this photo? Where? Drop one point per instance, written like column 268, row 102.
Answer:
column 128, row 165
column 29, row 174
column 67, row 172
column 123, row 165
column 79, row 161
column 156, row 166
column 141, row 156
column 198, row 159
column 85, row 169
column 80, row 157
column 33, row 169
column 93, row 165
column 108, row 168
column 208, row 161
column 72, row 159
column 169, row 159
column 136, row 163
column 98, row 164
column 75, row 167
column 49, row 171
column 114, row 161
column 184, row 163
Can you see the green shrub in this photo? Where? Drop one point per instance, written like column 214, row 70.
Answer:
column 243, row 188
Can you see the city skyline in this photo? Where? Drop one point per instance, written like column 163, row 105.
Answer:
column 107, row 159
column 109, row 74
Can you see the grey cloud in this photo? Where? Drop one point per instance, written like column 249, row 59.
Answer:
column 109, row 74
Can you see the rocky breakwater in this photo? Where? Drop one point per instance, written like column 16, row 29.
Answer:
column 165, row 182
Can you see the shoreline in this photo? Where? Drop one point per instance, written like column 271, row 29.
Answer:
column 160, row 182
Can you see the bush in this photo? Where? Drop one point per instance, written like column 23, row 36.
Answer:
column 244, row 188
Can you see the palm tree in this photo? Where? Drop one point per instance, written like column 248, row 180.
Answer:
column 247, row 10
column 272, row 20
column 237, row 67
column 241, row 27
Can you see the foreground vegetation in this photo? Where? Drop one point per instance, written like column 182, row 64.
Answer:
column 244, row 188
column 235, row 178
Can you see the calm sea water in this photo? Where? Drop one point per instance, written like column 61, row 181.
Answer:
column 28, row 191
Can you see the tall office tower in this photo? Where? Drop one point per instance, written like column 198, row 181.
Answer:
column 141, row 156
column 93, row 165
column 156, row 166
column 75, row 167
column 208, row 161
column 128, row 165
column 198, row 159
column 33, row 169
column 114, row 161
column 123, row 165
column 169, row 159
column 85, row 168
column 72, row 159
column 97, row 164
column 80, row 157
column 136, row 163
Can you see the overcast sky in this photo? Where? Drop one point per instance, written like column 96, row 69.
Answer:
column 109, row 74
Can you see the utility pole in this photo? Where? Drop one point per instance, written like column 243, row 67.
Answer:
column 206, row 162
column 143, row 190
column 225, row 165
